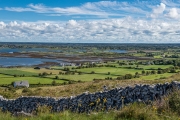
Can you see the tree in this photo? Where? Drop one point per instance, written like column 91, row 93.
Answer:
column 176, row 67
column 53, row 82
column 128, row 76
column 56, row 77
column 79, row 73
column 15, row 75
column 66, row 69
column 172, row 71
column 92, row 72
column 136, row 73
column 143, row 72
column 44, row 73
column 160, row 72
column 109, row 73
column 147, row 72
column 40, row 74
column 153, row 72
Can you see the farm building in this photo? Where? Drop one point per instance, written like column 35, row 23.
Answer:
column 21, row 84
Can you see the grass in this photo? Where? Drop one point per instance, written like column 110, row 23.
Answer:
column 75, row 89
column 113, row 71
column 130, row 112
column 62, row 116
column 6, row 76
column 13, row 71
column 168, row 108
column 156, row 76
column 31, row 80
column 32, row 70
column 83, row 77
column 156, row 66
column 158, row 56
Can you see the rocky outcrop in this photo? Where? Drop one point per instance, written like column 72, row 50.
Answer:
column 87, row 102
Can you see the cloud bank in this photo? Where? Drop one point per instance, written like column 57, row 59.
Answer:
column 112, row 30
column 133, row 22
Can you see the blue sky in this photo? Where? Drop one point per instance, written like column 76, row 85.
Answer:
column 111, row 21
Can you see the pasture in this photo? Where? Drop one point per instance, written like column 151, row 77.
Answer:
column 32, row 80
column 7, row 75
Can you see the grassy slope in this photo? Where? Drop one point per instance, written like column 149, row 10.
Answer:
column 100, row 73
column 112, row 70
column 32, row 80
column 154, row 111
column 40, row 71
column 13, row 71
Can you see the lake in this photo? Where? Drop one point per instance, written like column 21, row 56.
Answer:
column 15, row 61
column 12, row 50
column 118, row 51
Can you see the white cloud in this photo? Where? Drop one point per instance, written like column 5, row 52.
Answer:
column 18, row 9
column 131, row 24
column 101, row 8
column 111, row 30
column 108, row 9
column 159, row 9
column 173, row 13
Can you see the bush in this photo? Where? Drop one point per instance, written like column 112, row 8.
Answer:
column 128, row 76
column 160, row 72
column 54, row 83
column 15, row 75
column 56, row 77
column 92, row 72
column 44, row 74
column 25, row 90
column 172, row 71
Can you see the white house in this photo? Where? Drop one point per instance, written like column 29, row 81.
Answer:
column 21, row 84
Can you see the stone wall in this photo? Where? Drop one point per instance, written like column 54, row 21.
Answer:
column 87, row 102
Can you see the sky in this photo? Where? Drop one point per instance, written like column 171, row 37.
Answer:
column 90, row 21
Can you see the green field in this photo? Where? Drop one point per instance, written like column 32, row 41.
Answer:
column 31, row 74
column 35, row 71
column 155, row 77
column 83, row 77
column 15, row 71
column 32, row 80
column 113, row 71
column 155, row 66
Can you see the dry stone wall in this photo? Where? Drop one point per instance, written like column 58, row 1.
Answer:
column 87, row 102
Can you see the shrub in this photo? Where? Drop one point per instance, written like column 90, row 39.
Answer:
column 54, row 83
column 172, row 71
column 25, row 90
column 92, row 72
column 40, row 74
column 128, row 76
column 15, row 75
column 44, row 74
column 56, row 77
